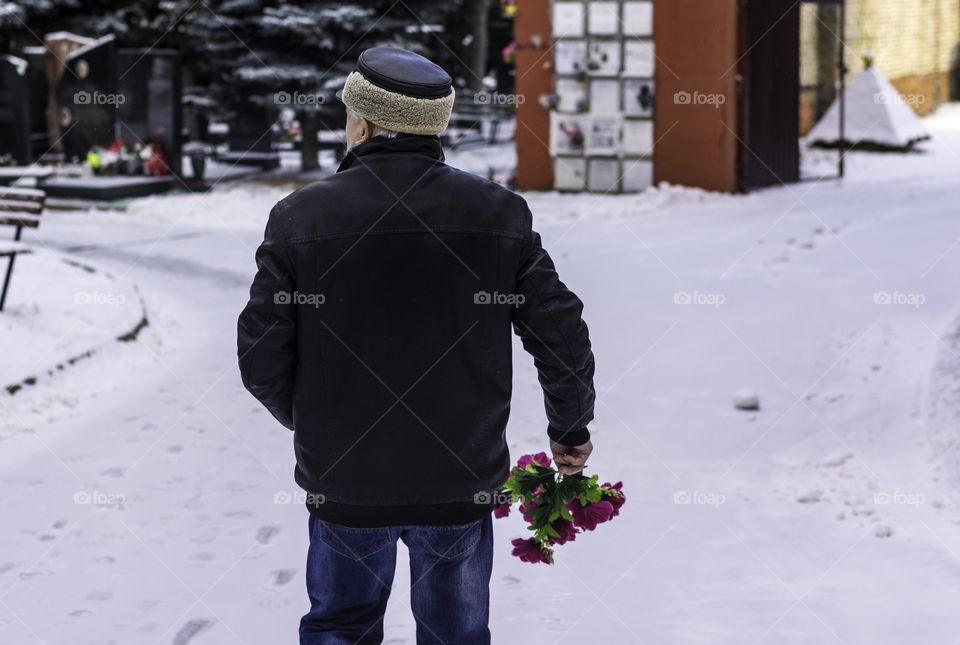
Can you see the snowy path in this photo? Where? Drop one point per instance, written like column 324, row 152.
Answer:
column 147, row 497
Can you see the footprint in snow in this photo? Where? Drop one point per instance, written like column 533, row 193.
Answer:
column 192, row 628
column 836, row 460
column 266, row 534
column 100, row 596
column 148, row 603
column 79, row 613
column 810, row 497
column 237, row 514
column 116, row 472
column 283, row 576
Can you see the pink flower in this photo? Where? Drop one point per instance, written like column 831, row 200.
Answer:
column 502, row 509
column 616, row 499
column 540, row 458
column 566, row 529
column 589, row 516
column 528, row 550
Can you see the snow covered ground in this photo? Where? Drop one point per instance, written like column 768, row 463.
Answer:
column 60, row 308
column 148, row 499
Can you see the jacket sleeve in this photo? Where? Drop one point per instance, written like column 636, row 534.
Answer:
column 552, row 330
column 267, row 329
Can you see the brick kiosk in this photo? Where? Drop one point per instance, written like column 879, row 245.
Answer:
column 534, row 78
column 699, row 46
column 715, row 105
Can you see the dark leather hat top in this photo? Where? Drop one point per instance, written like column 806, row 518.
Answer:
column 399, row 70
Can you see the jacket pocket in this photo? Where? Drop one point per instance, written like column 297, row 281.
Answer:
column 450, row 542
column 352, row 543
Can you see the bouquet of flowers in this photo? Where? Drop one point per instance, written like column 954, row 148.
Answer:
column 558, row 507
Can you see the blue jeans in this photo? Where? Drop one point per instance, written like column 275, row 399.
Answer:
column 350, row 574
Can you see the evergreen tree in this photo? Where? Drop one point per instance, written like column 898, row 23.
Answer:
column 256, row 54
column 245, row 53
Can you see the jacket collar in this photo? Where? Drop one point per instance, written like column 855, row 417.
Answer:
column 428, row 146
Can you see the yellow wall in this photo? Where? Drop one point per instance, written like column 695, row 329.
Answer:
column 909, row 37
column 913, row 42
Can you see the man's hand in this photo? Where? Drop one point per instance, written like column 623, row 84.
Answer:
column 570, row 460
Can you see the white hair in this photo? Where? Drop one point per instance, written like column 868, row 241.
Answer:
column 377, row 131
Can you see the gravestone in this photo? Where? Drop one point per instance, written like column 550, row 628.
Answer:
column 14, row 109
column 149, row 80
column 87, row 99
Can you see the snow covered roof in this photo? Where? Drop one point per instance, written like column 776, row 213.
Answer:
column 66, row 35
column 82, row 51
column 875, row 114
column 19, row 65
column 10, row 13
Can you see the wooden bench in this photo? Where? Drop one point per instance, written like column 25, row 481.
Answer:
column 20, row 208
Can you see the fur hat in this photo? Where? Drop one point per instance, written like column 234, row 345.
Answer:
column 399, row 90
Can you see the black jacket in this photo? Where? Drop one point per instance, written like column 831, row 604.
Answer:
column 378, row 330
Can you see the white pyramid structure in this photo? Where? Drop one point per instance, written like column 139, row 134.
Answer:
column 876, row 114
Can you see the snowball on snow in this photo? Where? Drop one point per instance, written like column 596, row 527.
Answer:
column 747, row 399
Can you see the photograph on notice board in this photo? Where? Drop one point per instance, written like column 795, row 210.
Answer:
column 604, row 95
column 570, row 56
column 603, row 18
column 637, row 175
column 568, row 133
column 604, row 57
column 603, row 175
column 604, row 135
column 567, row 19
column 638, row 137
column 638, row 57
column 638, row 18
column 638, row 97
column 570, row 173
column 571, row 95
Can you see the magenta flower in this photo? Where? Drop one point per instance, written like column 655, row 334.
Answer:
column 529, row 550
column 589, row 516
column 526, row 509
column 566, row 529
column 616, row 499
column 540, row 458
column 540, row 491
